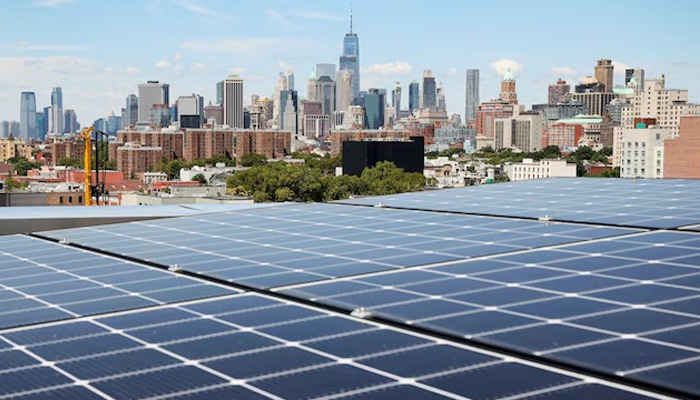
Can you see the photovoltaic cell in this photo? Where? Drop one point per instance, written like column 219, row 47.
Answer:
column 42, row 281
column 614, row 311
column 280, row 246
column 663, row 203
column 110, row 356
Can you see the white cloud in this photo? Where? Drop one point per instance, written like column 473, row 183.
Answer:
column 620, row 67
column 131, row 70
column 208, row 14
column 238, row 70
column 177, row 56
column 452, row 72
column 501, row 66
column 285, row 66
column 563, row 71
column 317, row 15
column 163, row 64
column 277, row 16
column 398, row 68
column 52, row 3
column 238, row 45
column 199, row 67
column 23, row 45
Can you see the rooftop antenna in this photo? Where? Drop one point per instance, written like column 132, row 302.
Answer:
column 350, row 17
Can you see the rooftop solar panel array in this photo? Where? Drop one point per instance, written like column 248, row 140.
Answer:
column 357, row 302
column 625, row 202
column 303, row 243
column 42, row 281
column 628, row 306
column 255, row 347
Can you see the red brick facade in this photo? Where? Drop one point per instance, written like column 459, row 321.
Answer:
column 271, row 144
column 682, row 155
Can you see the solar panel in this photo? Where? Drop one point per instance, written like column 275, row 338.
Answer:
column 625, row 202
column 42, row 281
column 629, row 310
column 238, row 347
column 302, row 243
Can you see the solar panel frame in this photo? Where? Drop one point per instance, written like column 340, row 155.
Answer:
column 137, row 366
column 661, row 204
column 324, row 241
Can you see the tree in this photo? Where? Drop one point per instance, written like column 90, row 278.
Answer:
column 71, row 162
column 252, row 159
column 200, row 178
column 284, row 194
column 22, row 165
column 261, row 197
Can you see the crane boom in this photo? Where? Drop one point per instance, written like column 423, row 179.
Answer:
column 86, row 136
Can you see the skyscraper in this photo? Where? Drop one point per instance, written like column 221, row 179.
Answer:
column 41, row 125
column 233, row 101
column 289, row 105
column 557, row 92
column 56, row 122
column 325, row 93
column 472, row 95
column 396, row 100
column 27, row 118
column 413, row 96
column 290, row 79
column 429, row 90
column 638, row 75
column 374, row 109
column 190, row 111
column 343, row 87
column 325, row 70
column 350, row 59
column 150, row 94
column 604, row 74
column 220, row 92
column 277, row 109
column 132, row 110
column 70, row 120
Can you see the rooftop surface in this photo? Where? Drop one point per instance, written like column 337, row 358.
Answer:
column 434, row 295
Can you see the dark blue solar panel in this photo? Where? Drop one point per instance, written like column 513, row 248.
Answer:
column 313, row 242
column 54, row 282
column 489, row 383
column 653, row 204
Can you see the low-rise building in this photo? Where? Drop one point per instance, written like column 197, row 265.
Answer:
column 529, row 169
column 642, row 152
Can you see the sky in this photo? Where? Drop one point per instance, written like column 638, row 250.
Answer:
column 98, row 51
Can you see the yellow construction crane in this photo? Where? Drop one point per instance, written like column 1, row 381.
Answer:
column 86, row 136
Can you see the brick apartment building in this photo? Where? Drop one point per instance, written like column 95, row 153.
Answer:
column 563, row 135
column 170, row 142
column 207, row 143
column 66, row 149
column 682, row 154
column 134, row 158
column 338, row 137
column 271, row 144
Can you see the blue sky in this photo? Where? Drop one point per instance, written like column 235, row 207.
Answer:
column 99, row 50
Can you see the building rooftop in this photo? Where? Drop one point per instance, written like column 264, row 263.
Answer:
column 555, row 288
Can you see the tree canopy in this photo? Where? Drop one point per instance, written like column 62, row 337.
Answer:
column 281, row 181
column 22, row 165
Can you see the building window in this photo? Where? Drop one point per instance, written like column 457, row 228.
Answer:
column 80, row 199
column 60, row 200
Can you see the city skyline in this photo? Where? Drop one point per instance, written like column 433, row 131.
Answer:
column 97, row 72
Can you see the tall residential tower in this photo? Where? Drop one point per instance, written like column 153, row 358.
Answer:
column 472, row 95
column 27, row 127
column 350, row 59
